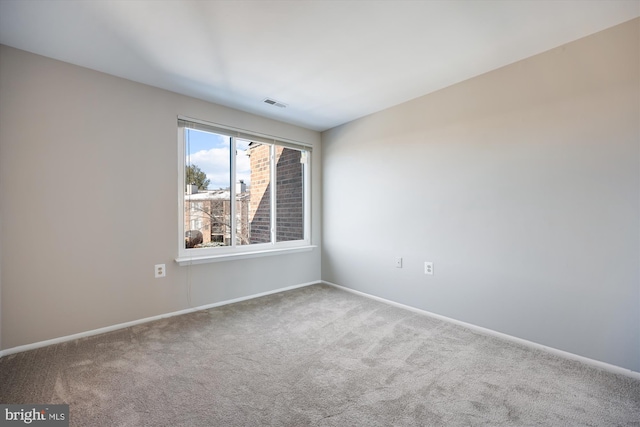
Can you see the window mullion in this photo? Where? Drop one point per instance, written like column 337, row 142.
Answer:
column 273, row 195
column 232, row 191
column 306, row 188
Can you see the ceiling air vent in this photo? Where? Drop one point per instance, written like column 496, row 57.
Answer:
column 274, row 103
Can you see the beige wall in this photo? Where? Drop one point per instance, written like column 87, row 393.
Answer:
column 521, row 185
column 88, row 188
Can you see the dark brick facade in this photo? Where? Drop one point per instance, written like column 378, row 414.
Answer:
column 289, row 194
column 260, row 194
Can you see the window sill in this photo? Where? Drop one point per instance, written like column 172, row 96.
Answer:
column 242, row 255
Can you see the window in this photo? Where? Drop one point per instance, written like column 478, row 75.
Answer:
column 240, row 193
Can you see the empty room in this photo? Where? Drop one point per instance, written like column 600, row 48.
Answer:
column 320, row 213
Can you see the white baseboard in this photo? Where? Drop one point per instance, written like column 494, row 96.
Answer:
column 565, row 354
column 98, row 331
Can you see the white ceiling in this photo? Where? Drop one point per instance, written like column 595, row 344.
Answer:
column 329, row 61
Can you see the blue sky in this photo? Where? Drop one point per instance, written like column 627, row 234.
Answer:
column 210, row 152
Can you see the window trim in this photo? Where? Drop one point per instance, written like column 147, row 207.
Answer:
column 222, row 253
column 192, row 260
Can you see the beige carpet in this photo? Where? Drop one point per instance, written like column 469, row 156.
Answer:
column 315, row 356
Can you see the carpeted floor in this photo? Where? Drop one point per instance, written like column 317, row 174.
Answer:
column 314, row 356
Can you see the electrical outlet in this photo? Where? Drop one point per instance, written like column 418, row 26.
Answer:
column 428, row 268
column 398, row 262
column 161, row 270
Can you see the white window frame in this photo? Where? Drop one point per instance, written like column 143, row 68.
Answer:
column 223, row 253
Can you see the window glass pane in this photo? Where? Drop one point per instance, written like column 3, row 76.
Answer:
column 252, row 164
column 207, row 196
column 289, row 195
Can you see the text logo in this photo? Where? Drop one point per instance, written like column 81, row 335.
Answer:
column 34, row 415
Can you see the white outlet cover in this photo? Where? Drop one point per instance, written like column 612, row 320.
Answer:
column 428, row 268
column 160, row 270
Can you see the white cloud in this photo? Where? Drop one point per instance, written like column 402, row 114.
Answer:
column 215, row 163
column 243, row 167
